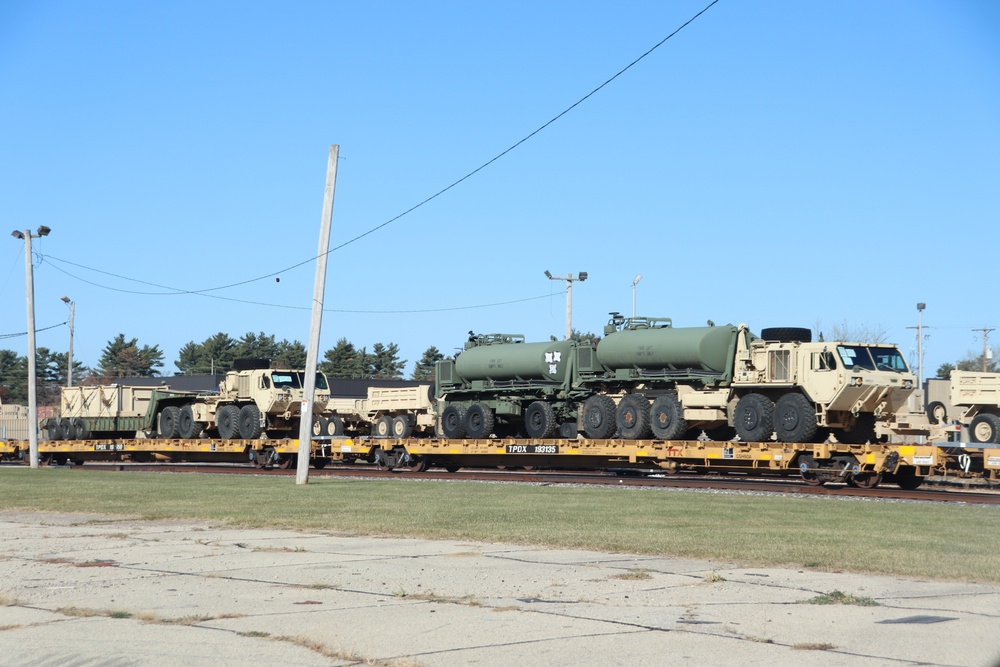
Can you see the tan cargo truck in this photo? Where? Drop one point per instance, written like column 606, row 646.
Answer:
column 972, row 400
column 387, row 412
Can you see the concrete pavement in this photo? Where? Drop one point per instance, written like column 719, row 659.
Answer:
column 88, row 590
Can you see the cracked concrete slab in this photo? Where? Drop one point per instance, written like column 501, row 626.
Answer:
column 92, row 590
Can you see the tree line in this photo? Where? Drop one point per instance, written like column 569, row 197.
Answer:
column 125, row 358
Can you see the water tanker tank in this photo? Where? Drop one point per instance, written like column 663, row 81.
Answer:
column 702, row 348
column 516, row 361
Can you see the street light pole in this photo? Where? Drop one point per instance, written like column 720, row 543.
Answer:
column 634, row 283
column 920, row 344
column 69, row 356
column 569, row 297
column 32, row 371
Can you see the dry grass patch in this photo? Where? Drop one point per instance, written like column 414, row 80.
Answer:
column 838, row 597
column 636, row 574
column 714, row 578
column 824, row 646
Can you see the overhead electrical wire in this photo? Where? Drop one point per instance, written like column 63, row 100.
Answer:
column 205, row 292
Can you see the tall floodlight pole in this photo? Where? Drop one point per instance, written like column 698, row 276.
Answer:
column 29, row 280
column 569, row 297
column 634, row 283
column 920, row 344
column 69, row 354
column 319, row 289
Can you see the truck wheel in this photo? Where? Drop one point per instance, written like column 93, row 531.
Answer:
column 227, row 421
column 382, row 428
column 189, row 427
column 754, row 418
column 319, row 426
column 985, row 428
column 453, row 421
column 599, row 417
column 249, row 422
column 55, row 433
column 633, row 417
column 540, row 420
column 401, row 427
column 862, row 430
column 668, row 421
column 723, row 433
column 479, row 421
column 66, row 429
column 169, row 417
column 794, row 418
column 334, row 426
column 787, row 334
column 937, row 413
column 80, row 430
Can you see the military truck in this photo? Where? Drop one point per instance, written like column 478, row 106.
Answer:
column 970, row 399
column 252, row 401
column 387, row 412
column 646, row 378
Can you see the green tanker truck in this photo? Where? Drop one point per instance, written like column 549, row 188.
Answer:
column 649, row 379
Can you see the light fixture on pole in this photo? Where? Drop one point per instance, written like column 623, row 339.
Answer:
column 569, row 297
column 920, row 344
column 635, row 282
column 69, row 355
column 29, row 280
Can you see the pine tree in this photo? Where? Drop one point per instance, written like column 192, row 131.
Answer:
column 385, row 363
column 424, row 369
column 123, row 358
column 344, row 361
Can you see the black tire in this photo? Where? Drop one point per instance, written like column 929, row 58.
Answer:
column 540, row 420
column 667, row 417
column 453, row 421
column 599, row 417
column 66, row 429
column 169, row 419
column 319, row 426
column 249, row 422
column 479, row 421
column 80, row 430
column 382, row 428
column 189, row 427
column 787, row 334
column 723, row 433
column 937, row 413
column 334, row 426
column 632, row 417
column 985, row 428
column 794, row 418
column 862, row 431
column 754, row 418
column 401, row 426
column 227, row 419
column 52, row 428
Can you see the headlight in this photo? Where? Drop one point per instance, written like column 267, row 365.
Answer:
column 907, row 384
column 856, row 381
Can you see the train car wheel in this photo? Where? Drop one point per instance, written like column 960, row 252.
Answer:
column 866, row 480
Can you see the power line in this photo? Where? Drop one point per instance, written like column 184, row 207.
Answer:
column 425, row 201
column 25, row 333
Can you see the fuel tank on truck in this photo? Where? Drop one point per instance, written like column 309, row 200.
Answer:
column 658, row 348
column 516, row 361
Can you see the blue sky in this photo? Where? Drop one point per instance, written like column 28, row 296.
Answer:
column 776, row 163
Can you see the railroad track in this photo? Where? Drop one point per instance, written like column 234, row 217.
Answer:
column 932, row 492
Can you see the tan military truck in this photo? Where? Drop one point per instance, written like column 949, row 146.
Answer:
column 387, row 412
column 970, row 399
column 252, row 402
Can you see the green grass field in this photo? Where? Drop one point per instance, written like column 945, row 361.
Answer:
column 900, row 538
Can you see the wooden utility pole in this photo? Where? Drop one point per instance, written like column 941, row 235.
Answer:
column 312, row 350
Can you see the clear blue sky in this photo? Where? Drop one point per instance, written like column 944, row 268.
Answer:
column 776, row 163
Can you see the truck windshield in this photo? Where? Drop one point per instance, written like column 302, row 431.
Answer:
column 872, row 358
column 300, row 379
column 286, row 380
